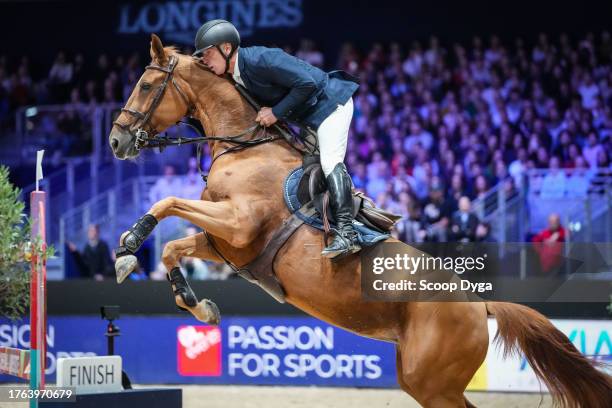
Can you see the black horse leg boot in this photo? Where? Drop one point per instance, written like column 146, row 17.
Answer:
column 341, row 202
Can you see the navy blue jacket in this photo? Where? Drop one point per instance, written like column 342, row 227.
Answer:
column 297, row 91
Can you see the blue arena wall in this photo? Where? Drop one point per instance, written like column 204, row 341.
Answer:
column 277, row 350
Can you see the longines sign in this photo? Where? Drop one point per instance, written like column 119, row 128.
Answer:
column 179, row 20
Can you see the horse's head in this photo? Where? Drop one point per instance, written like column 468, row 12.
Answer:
column 157, row 102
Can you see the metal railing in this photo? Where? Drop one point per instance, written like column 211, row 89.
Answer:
column 79, row 181
column 582, row 198
column 115, row 211
column 583, row 202
column 503, row 210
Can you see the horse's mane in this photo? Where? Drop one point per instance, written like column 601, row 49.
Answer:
column 174, row 50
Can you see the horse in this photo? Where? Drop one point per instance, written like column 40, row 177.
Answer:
column 439, row 345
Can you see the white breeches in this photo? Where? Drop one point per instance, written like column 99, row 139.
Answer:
column 333, row 135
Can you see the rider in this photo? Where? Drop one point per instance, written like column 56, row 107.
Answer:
column 295, row 91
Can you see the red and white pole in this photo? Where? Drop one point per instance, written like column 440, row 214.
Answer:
column 38, row 287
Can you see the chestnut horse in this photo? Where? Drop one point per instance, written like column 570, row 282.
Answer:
column 439, row 346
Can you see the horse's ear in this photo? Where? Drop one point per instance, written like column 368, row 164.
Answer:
column 157, row 50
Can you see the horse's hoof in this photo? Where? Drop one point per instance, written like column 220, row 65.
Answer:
column 215, row 314
column 206, row 312
column 124, row 265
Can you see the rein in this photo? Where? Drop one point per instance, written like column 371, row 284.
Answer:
column 161, row 142
column 150, row 139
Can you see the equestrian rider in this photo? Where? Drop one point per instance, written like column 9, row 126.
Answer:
column 295, row 91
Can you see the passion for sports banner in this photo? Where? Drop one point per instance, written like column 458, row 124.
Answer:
column 268, row 350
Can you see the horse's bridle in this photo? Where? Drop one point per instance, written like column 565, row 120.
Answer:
column 146, row 136
column 144, row 133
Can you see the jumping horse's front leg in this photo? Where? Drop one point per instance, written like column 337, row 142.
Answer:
column 130, row 242
column 225, row 220
column 132, row 239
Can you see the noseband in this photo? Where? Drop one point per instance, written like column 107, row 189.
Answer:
column 142, row 136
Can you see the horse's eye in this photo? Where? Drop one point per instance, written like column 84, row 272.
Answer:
column 145, row 86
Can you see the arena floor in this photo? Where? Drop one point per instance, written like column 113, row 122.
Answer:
column 196, row 396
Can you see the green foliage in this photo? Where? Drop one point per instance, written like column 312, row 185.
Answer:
column 15, row 250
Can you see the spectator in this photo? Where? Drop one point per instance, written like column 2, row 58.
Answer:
column 377, row 179
column 60, row 77
column 191, row 268
column 554, row 183
column 464, row 223
column 481, row 186
column 196, row 268
column 549, row 244
column 436, row 213
column 411, row 229
column 603, row 160
column 166, row 186
column 589, row 91
column 483, row 232
column 309, row 53
column 592, row 149
column 417, row 136
column 192, row 183
column 578, row 182
column 359, row 176
column 95, row 260
column 457, row 115
column 518, row 167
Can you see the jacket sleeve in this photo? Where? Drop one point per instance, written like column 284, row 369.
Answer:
column 282, row 69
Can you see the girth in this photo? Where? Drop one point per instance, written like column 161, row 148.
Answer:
column 261, row 270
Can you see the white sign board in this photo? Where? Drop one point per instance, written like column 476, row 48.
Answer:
column 593, row 338
column 90, row 374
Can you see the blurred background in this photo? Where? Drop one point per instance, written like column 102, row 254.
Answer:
column 477, row 122
column 508, row 106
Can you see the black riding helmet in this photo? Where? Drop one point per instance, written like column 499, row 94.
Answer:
column 213, row 33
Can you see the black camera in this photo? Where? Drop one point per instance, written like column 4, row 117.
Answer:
column 109, row 312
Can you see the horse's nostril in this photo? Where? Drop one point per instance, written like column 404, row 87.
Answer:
column 114, row 143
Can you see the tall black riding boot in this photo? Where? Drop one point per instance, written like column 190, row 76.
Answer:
column 341, row 202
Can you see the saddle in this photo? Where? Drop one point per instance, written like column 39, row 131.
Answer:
column 312, row 187
column 312, row 195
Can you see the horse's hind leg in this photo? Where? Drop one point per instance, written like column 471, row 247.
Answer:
column 440, row 349
column 195, row 246
column 406, row 386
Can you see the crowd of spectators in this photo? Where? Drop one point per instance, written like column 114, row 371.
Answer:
column 435, row 126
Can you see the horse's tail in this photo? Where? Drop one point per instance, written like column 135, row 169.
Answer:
column 571, row 378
